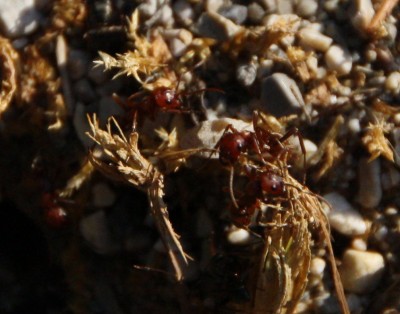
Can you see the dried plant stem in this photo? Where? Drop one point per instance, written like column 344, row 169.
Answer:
column 8, row 87
column 384, row 10
column 123, row 161
column 160, row 213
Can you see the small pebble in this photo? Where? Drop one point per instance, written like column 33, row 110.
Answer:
column 78, row 63
column 362, row 15
column 246, row 74
column 216, row 26
column 369, row 183
column 255, row 12
column 339, row 60
column 81, row 125
column 354, row 125
column 306, row 8
column 148, row 7
column 18, row 18
column 238, row 236
column 390, row 178
column 103, row 196
column 236, row 13
column 84, row 91
column 317, row 266
column 213, row 5
column 359, row 244
column 360, row 271
column 343, row 217
column 98, row 75
column 184, row 12
column 392, row 83
column 95, row 231
column 281, row 96
column 284, row 7
column 310, row 38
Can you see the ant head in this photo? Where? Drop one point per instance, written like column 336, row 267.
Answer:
column 167, row 98
column 230, row 147
column 272, row 183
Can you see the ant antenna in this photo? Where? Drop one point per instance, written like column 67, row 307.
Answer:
column 231, row 174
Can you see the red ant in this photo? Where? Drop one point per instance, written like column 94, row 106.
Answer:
column 264, row 143
column 160, row 99
column 262, row 185
column 54, row 215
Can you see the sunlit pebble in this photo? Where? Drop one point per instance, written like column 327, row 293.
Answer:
column 317, row 266
column 354, row 125
column 360, row 271
column 359, row 244
column 183, row 11
column 396, row 118
column 391, row 211
column 306, row 8
column 238, row 236
column 339, row 60
column 371, row 55
column 392, row 83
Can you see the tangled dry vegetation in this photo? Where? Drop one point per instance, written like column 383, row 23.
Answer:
column 254, row 176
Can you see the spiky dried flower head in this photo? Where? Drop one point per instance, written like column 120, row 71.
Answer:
column 376, row 142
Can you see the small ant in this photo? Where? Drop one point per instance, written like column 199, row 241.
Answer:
column 262, row 186
column 264, row 143
column 160, row 99
column 55, row 216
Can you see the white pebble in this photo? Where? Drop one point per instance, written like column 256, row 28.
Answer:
column 343, row 217
column 18, row 18
column 369, row 183
column 238, row 236
column 361, row 271
column 339, row 60
column 364, row 12
column 306, row 8
column 359, row 244
column 317, row 266
column 392, row 83
column 354, row 125
column 310, row 38
column 103, row 196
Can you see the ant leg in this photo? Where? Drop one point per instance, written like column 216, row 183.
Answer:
column 231, row 187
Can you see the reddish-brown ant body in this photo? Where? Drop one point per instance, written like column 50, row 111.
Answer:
column 261, row 186
column 163, row 99
column 55, row 215
column 263, row 182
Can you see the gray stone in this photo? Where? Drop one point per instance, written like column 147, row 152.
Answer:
column 343, row 217
column 236, row 13
column 84, row 91
column 369, row 183
column 18, row 18
column 107, row 108
column 255, row 12
column 306, row 8
column 281, row 96
column 216, row 26
column 78, row 64
column 98, row 75
column 184, row 11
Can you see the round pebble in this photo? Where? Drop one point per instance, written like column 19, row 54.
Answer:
column 238, row 236
column 360, row 271
column 392, row 83
column 343, row 217
column 339, row 60
column 317, row 266
column 246, row 74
